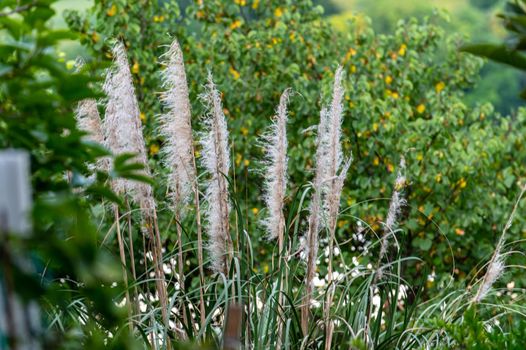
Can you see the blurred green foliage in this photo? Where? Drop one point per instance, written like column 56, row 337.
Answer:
column 405, row 93
column 511, row 52
column 37, row 97
column 475, row 20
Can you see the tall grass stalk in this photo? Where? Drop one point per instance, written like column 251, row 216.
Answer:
column 216, row 160
column 496, row 264
column 123, row 134
column 334, row 178
column 275, row 190
column 178, row 152
column 311, row 244
column 395, row 207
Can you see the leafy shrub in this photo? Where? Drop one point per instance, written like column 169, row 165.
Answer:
column 462, row 163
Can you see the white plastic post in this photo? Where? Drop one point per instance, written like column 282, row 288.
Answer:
column 15, row 192
column 19, row 322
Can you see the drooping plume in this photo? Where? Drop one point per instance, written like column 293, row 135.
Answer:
column 216, row 160
column 276, row 171
column 497, row 263
column 334, row 173
column 122, row 127
column 176, row 126
column 395, row 207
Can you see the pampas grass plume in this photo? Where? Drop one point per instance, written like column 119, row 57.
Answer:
column 216, row 160
column 276, row 171
column 123, row 129
column 176, row 126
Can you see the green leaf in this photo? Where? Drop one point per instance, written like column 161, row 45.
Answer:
column 498, row 53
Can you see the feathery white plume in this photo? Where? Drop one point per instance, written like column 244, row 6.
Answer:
column 122, row 127
column 334, row 173
column 314, row 215
column 216, row 159
column 496, row 264
column 395, row 207
column 276, row 170
column 176, row 126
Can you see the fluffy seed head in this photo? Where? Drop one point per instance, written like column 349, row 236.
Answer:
column 176, row 127
column 276, row 170
column 216, row 160
column 395, row 207
column 122, row 126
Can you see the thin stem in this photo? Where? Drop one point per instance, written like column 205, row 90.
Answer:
column 123, row 264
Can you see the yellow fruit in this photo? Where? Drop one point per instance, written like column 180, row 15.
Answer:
column 135, row 68
column 278, row 12
column 234, row 73
column 402, row 50
column 154, row 149
column 235, row 24
column 421, row 108
column 388, row 79
column 112, row 11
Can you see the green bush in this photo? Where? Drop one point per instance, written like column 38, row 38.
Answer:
column 463, row 163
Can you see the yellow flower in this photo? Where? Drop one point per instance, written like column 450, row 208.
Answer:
column 440, row 86
column 158, row 19
column 244, row 131
column 438, row 177
column 255, row 4
column 241, row 2
column 462, row 183
column 246, row 162
column 239, row 158
column 265, row 268
column 135, row 68
column 142, row 116
column 419, row 156
column 234, row 73
column 376, row 161
column 154, row 149
column 197, row 154
column 402, row 50
column 255, row 211
column 95, row 37
column 353, row 69
column 112, row 11
column 390, row 167
column 292, row 36
column 235, row 24
column 278, row 12
column 421, row 108
column 375, row 126
column 395, row 95
column 388, row 79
